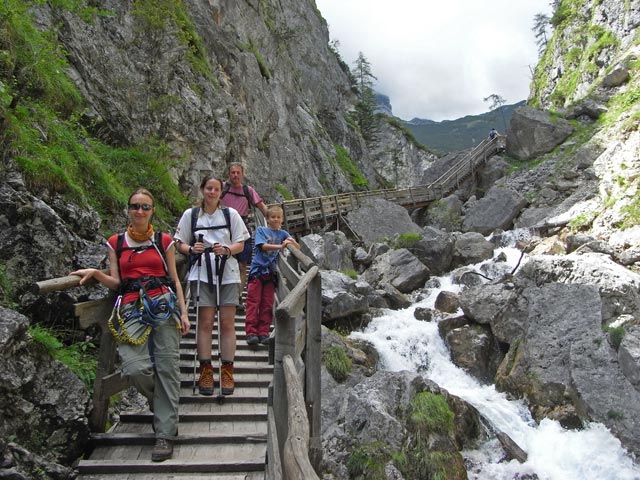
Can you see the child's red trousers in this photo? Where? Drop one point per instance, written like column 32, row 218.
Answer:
column 259, row 307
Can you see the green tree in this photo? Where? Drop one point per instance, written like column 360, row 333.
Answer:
column 496, row 104
column 366, row 116
column 541, row 23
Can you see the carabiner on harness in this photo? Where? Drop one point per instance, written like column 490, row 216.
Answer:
column 121, row 334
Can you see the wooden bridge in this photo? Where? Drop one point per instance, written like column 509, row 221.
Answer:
column 270, row 427
column 303, row 216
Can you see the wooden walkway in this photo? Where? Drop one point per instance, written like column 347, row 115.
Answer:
column 307, row 215
column 217, row 441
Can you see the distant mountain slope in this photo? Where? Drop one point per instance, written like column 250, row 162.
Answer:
column 460, row 134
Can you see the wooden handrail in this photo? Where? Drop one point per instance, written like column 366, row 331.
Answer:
column 296, row 447
column 295, row 392
column 61, row 283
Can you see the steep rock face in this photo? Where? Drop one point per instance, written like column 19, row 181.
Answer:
column 590, row 37
column 264, row 89
column 43, row 404
column 398, row 160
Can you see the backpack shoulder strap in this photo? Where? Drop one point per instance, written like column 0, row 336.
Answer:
column 119, row 244
column 157, row 238
column 245, row 189
column 227, row 219
column 225, row 188
column 194, row 222
column 157, row 244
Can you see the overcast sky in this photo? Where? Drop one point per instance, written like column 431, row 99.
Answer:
column 439, row 59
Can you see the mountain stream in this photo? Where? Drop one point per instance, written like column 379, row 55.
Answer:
column 554, row 453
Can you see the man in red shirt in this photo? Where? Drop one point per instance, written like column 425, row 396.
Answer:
column 241, row 197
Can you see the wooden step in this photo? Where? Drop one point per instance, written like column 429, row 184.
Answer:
column 188, row 344
column 118, row 439
column 241, row 380
column 241, row 395
column 204, row 416
column 260, row 354
column 118, row 466
column 238, row 367
column 258, row 475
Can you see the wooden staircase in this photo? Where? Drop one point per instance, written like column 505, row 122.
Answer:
column 217, row 440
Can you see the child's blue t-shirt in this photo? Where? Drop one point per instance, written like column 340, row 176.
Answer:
column 263, row 262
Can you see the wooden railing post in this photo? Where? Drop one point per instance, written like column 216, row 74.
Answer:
column 284, row 214
column 306, row 218
column 296, row 456
column 284, row 345
column 322, row 211
column 313, row 362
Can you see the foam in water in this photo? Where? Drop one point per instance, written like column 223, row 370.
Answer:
column 554, row 453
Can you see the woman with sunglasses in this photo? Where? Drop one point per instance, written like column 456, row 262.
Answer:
column 149, row 315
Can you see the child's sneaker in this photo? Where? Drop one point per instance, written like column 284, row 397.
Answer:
column 264, row 339
column 252, row 340
column 227, row 383
column 205, row 384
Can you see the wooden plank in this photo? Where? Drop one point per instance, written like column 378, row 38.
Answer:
column 305, row 261
column 274, row 462
column 296, row 453
column 94, row 311
column 285, row 214
column 105, row 439
column 301, row 337
column 168, row 466
column 323, row 212
column 61, row 283
column 288, row 274
column 294, row 302
column 104, row 388
column 313, row 360
column 285, row 344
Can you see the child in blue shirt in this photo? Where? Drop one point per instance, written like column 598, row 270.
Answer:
column 261, row 285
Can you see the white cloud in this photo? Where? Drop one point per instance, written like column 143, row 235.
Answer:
column 438, row 60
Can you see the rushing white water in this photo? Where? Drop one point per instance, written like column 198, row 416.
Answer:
column 554, row 453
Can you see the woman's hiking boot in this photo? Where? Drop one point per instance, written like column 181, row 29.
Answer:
column 205, row 383
column 227, row 383
column 163, row 450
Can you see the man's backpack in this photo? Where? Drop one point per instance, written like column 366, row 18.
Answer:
column 245, row 193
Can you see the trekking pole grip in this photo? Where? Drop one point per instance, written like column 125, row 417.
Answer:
column 200, row 239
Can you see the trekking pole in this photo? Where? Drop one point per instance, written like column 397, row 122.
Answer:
column 195, row 353
column 220, row 397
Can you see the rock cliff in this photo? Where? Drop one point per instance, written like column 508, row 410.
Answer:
column 249, row 81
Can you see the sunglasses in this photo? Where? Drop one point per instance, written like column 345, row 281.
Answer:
column 137, row 206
